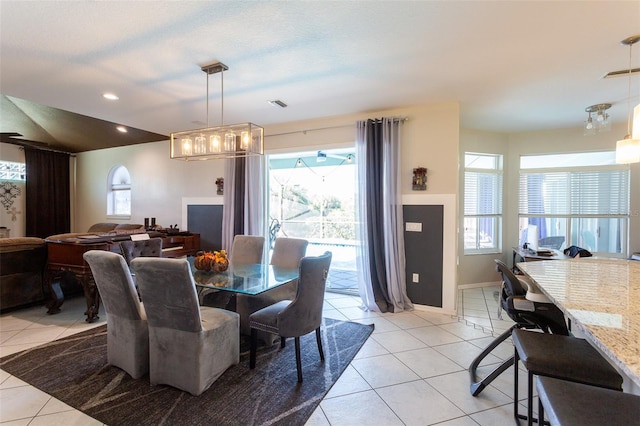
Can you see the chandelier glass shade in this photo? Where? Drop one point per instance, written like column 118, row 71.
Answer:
column 600, row 123
column 224, row 141
column 230, row 141
column 628, row 149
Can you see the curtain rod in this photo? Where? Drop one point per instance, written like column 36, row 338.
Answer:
column 309, row 130
column 22, row 147
column 324, row 128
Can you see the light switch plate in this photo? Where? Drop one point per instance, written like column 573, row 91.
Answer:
column 416, row 278
column 414, row 227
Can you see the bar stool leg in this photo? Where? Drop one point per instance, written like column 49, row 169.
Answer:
column 540, row 412
column 530, row 399
column 516, row 359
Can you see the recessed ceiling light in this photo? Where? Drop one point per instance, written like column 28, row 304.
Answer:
column 122, row 129
column 278, row 103
column 110, row 96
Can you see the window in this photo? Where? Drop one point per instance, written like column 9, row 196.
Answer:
column 12, row 171
column 582, row 197
column 119, row 192
column 482, row 203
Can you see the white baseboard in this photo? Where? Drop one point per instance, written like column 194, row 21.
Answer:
column 479, row 285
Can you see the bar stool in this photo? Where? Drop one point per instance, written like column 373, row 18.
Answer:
column 560, row 357
column 570, row 403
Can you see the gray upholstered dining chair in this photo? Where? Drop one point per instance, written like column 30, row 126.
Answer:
column 127, row 329
column 287, row 253
column 247, row 249
column 298, row 317
column 189, row 346
column 151, row 247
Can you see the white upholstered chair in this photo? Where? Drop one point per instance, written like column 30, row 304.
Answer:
column 189, row 346
column 298, row 317
column 127, row 330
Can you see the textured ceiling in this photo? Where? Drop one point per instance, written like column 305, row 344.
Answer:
column 512, row 65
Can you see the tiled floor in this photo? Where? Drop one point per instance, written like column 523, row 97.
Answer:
column 411, row 371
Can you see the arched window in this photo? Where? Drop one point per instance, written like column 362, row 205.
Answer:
column 119, row 192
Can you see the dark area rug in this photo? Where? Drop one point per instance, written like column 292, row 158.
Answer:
column 75, row 371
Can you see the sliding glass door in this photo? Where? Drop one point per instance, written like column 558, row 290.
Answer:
column 312, row 196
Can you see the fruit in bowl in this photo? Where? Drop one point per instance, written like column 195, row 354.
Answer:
column 207, row 261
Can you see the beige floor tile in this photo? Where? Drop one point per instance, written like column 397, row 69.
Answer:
column 455, row 387
column 317, row 418
column 417, row 403
column 355, row 313
column 405, row 320
column 362, row 408
column 464, row 331
column 381, row 324
column 498, row 416
column 21, row 402
column 434, row 335
column 428, row 362
column 398, row 341
column 350, row 382
column 463, row 353
column 371, row 348
column 383, row 370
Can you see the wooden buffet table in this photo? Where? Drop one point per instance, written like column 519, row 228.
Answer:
column 602, row 298
column 65, row 256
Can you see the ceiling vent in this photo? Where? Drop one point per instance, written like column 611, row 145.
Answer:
column 278, row 103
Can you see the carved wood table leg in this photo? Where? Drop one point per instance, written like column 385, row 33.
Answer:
column 92, row 296
column 55, row 292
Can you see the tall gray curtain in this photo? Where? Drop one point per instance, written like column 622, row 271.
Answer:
column 244, row 198
column 381, row 257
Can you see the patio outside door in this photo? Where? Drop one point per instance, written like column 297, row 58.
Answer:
column 312, row 196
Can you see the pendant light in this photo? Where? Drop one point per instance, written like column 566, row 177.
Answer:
column 224, row 141
column 628, row 149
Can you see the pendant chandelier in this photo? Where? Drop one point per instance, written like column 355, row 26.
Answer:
column 224, row 141
column 601, row 122
column 628, row 149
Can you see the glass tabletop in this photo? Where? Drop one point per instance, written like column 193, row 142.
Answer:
column 244, row 278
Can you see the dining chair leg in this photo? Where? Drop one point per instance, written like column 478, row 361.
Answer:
column 253, row 347
column 319, row 340
column 283, row 342
column 298, row 361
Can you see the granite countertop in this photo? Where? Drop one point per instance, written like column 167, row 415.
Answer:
column 602, row 298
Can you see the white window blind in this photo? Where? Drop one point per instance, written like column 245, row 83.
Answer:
column 575, row 193
column 482, row 193
column 482, row 203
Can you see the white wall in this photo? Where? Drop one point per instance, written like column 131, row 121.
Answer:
column 158, row 183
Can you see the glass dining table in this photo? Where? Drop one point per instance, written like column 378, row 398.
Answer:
column 250, row 279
